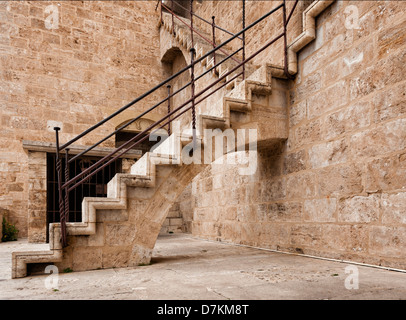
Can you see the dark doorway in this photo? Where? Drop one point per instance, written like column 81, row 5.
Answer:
column 179, row 7
column 96, row 186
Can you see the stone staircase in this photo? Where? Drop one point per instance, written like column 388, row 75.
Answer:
column 121, row 229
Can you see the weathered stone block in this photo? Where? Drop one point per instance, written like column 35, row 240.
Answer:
column 115, row 257
column 87, row 258
column 345, row 238
column 394, row 208
column 297, row 113
column 285, row 211
column 348, row 119
column 329, row 153
column 301, row 186
column 357, row 209
column 390, row 39
column 272, row 189
column 386, row 174
column 328, row 99
column 308, row 132
column 390, row 104
column 387, row 241
column 340, row 180
column 320, row 210
column 306, row 235
column 175, row 222
column 295, row 161
column 119, row 234
column 389, row 137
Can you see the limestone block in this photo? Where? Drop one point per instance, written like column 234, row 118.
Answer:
column 387, row 241
column 385, row 174
column 301, row 185
column 390, row 104
column 139, row 255
column 360, row 209
column 272, row 189
column 348, row 119
column 345, row 238
column 306, row 235
column 285, row 211
column 118, row 234
column 390, row 39
column 175, row 222
column 394, row 208
column 297, row 113
column 328, row 153
column 116, row 257
column 295, row 161
column 87, row 258
column 340, row 180
column 320, row 210
column 328, row 99
column 389, row 137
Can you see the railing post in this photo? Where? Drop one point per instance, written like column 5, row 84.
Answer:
column 285, row 41
column 59, row 178
column 191, row 22
column 67, row 188
column 213, row 26
column 243, row 39
column 192, row 86
column 160, row 3
column 173, row 18
column 169, row 108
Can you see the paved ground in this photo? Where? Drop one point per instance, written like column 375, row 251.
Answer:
column 186, row 268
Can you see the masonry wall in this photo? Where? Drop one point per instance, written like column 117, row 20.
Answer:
column 337, row 187
column 101, row 55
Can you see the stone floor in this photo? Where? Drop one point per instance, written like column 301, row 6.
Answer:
column 186, row 268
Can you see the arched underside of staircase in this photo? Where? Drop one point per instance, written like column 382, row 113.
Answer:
column 123, row 237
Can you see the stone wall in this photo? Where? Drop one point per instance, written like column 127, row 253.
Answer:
column 68, row 64
column 336, row 188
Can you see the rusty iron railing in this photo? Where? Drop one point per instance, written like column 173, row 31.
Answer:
column 66, row 184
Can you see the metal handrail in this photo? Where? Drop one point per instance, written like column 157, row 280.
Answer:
column 71, row 184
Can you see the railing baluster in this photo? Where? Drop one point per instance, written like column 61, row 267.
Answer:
column 191, row 22
column 169, row 108
column 66, row 189
column 243, row 39
column 192, row 76
column 59, row 175
column 160, row 4
column 173, row 19
column 285, row 41
column 213, row 27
